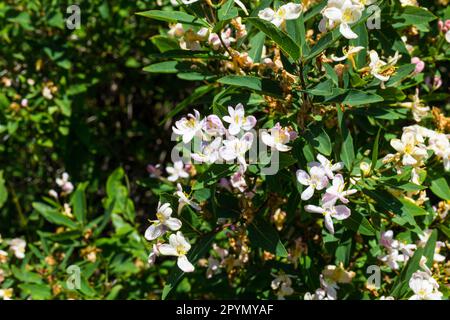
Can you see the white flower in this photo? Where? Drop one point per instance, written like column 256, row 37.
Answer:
column 447, row 36
column 237, row 180
column 282, row 283
column 343, row 13
column 387, row 240
column 163, row 223
column 364, row 2
column 213, row 126
column 408, row 147
column 189, row 127
column 47, row 93
column 423, row 239
column 52, row 193
column 337, row 274
column 392, row 259
column 387, row 298
column 238, row 121
column 209, row 151
column 336, row 191
column 176, row 30
column 315, row 180
column 380, row 69
column 184, row 200
column 440, row 145
column 348, row 53
column 327, row 165
column 64, row 183
column 339, row 212
column 397, row 251
column 18, row 246
column 177, row 171
column 235, row 148
column 424, row 287
column 227, row 39
column 328, row 290
column 277, row 138
column 191, row 39
column 6, row 294
column 178, row 246
column 418, row 109
column 289, row 11
column 413, row 3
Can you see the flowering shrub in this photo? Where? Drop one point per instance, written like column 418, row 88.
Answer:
column 357, row 145
column 308, row 157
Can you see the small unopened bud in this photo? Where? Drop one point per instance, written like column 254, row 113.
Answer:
column 365, row 169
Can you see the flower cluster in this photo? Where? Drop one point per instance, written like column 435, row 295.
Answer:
column 412, row 150
column 178, row 246
column 289, row 11
column 317, row 178
column 422, row 283
column 282, row 284
column 397, row 251
column 329, row 279
column 219, row 144
column 342, row 14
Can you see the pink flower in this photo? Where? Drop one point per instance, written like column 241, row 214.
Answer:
column 420, row 65
column 444, row 26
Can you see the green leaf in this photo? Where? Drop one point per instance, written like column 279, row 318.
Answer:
column 363, row 41
column 36, row 291
column 198, row 93
column 440, row 188
column 263, row 235
column 357, row 222
column 402, row 73
column 53, row 215
column 404, row 210
column 227, row 11
column 26, row 276
column 319, row 139
column 213, row 174
column 256, row 46
column 78, row 201
column 169, row 67
column 173, row 17
column 261, row 85
column 164, row 43
column 375, row 150
column 282, row 39
column 3, row 190
column 347, row 153
column 353, row 97
column 412, row 15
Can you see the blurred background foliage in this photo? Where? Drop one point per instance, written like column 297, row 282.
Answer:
column 78, row 101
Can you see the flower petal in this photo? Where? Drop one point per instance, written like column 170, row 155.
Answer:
column 308, row 193
column 346, row 31
column 154, row 231
column 184, row 264
column 173, row 224
column 167, row 250
column 303, row 177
